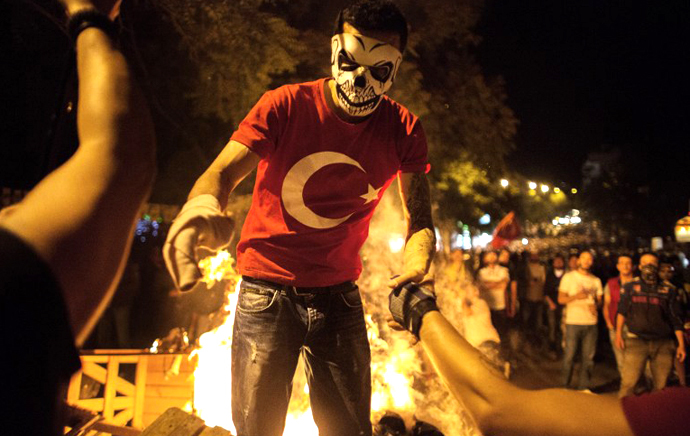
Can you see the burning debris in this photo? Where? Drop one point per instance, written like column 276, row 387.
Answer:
column 406, row 394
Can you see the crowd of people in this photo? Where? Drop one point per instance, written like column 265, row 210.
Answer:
column 573, row 305
column 298, row 295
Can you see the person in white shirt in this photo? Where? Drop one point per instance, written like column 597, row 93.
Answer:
column 493, row 280
column 580, row 291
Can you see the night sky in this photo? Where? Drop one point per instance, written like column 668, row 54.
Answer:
column 585, row 74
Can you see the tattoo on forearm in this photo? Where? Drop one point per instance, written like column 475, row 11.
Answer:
column 419, row 204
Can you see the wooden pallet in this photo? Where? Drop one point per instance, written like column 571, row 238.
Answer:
column 161, row 382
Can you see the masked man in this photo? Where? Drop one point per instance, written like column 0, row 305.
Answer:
column 651, row 312
column 326, row 151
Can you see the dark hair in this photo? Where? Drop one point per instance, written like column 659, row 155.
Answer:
column 374, row 15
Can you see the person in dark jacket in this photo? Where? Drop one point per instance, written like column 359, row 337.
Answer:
column 650, row 310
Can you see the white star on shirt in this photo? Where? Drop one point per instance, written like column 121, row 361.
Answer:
column 371, row 195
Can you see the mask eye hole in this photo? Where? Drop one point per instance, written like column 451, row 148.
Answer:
column 380, row 73
column 345, row 63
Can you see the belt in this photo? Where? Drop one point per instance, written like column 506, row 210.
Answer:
column 340, row 288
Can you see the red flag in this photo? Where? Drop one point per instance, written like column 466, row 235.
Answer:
column 506, row 230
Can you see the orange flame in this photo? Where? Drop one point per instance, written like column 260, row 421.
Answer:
column 394, row 363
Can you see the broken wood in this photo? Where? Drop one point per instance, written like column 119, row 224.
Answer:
column 175, row 422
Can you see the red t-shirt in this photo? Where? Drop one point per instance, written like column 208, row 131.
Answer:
column 660, row 413
column 318, row 183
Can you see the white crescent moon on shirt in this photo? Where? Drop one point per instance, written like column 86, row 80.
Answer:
column 297, row 177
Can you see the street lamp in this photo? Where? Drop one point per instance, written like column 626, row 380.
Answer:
column 574, row 191
column 557, row 190
column 544, row 188
column 532, row 185
column 504, row 183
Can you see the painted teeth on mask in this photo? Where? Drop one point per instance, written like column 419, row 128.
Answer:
column 356, row 97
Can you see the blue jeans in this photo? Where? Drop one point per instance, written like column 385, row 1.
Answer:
column 272, row 328
column 584, row 337
column 659, row 352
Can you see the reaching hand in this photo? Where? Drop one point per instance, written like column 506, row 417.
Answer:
column 408, row 305
column 200, row 223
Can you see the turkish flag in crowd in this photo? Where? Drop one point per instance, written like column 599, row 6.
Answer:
column 506, row 230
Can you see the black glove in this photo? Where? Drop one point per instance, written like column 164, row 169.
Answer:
column 409, row 303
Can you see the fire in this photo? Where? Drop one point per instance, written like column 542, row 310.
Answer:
column 394, row 363
column 400, row 381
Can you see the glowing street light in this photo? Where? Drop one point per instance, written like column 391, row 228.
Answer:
column 532, row 185
column 557, row 190
column 544, row 188
column 574, row 191
column 504, row 183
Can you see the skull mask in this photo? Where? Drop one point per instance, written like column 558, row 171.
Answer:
column 364, row 69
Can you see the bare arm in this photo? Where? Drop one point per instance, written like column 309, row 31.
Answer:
column 501, row 408
column 80, row 218
column 421, row 239
column 605, row 309
column 680, row 351
column 231, row 166
column 620, row 320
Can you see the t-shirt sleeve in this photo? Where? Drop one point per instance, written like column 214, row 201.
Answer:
column 659, row 413
column 413, row 147
column 260, row 129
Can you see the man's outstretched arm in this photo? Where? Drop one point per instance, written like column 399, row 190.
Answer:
column 497, row 406
column 421, row 239
column 502, row 408
column 80, row 218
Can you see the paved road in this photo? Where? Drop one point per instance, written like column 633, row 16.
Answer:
column 537, row 369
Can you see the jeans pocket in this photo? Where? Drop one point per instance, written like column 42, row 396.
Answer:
column 352, row 299
column 255, row 300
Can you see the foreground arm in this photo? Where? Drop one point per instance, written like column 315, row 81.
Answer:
column 421, row 239
column 501, row 408
column 80, row 218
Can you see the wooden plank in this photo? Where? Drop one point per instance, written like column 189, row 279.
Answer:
column 123, row 417
column 129, row 359
column 174, row 421
column 160, row 405
column 98, row 404
column 109, row 391
column 115, row 430
column 92, row 404
column 95, row 371
column 160, row 379
column 157, row 391
column 140, row 392
column 74, row 388
column 215, row 431
column 163, row 362
column 95, row 359
column 115, row 352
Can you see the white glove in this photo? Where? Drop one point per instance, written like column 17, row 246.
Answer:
column 199, row 223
